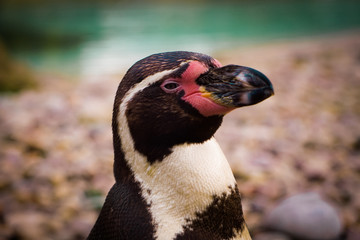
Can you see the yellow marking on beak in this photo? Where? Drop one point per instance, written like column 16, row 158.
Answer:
column 206, row 94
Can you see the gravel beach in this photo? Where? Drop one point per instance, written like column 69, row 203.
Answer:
column 56, row 151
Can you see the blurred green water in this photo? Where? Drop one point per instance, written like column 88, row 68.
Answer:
column 93, row 39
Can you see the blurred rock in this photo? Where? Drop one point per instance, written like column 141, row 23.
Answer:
column 270, row 236
column 305, row 216
column 353, row 234
column 29, row 225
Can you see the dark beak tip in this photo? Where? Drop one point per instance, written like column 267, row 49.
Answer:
column 269, row 92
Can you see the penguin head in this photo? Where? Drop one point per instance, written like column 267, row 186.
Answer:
column 180, row 97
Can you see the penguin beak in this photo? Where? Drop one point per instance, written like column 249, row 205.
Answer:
column 235, row 86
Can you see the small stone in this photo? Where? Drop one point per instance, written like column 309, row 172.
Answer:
column 28, row 224
column 353, row 234
column 271, row 236
column 305, row 216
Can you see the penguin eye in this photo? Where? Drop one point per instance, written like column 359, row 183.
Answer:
column 170, row 86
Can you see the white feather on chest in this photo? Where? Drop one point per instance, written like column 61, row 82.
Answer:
column 184, row 183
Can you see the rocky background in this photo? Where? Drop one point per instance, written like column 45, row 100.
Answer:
column 56, row 151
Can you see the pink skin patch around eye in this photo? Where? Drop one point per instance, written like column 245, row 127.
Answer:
column 193, row 95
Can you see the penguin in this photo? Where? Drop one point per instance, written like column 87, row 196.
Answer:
column 172, row 180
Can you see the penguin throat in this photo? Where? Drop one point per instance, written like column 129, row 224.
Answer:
column 186, row 188
column 157, row 142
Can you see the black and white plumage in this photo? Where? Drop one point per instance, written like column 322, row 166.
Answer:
column 172, row 179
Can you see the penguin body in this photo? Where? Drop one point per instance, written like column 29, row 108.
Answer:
column 172, row 179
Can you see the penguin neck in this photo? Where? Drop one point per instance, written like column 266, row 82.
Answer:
column 183, row 184
column 187, row 184
column 191, row 171
column 195, row 172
